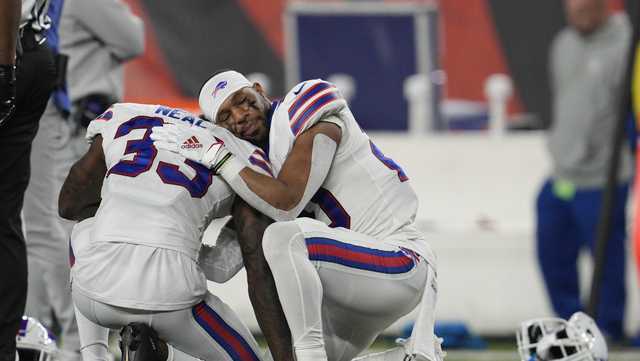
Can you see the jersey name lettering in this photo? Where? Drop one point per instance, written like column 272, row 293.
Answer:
column 179, row 114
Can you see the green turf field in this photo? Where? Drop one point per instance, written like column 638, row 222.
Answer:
column 504, row 349
column 501, row 350
column 513, row 356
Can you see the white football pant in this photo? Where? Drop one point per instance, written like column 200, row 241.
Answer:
column 339, row 289
column 210, row 330
column 94, row 339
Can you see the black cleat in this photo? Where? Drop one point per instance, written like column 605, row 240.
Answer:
column 140, row 342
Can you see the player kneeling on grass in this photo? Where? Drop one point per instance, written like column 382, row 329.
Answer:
column 138, row 264
column 361, row 264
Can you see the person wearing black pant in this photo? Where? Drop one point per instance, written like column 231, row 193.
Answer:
column 24, row 91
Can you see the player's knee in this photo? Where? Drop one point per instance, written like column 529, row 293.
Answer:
column 276, row 238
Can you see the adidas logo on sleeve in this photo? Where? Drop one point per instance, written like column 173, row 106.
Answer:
column 191, row 143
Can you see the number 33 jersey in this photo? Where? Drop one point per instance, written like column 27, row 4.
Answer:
column 158, row 199
column 364, row 191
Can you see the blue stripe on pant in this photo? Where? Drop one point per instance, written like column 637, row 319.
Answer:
column 563, row 228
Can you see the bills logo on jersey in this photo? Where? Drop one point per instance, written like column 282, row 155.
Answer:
column 221, row 85
column 191, row 143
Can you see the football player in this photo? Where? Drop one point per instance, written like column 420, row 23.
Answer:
column 361, row 264
column 139, row 261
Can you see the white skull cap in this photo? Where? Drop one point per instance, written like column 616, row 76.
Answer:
column 217, row 89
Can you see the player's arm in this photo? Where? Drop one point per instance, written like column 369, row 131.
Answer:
column 281, row 198
column 221, row 262
column 303, row 172
column 9, row 21
column 250, row 226
column 80, row 193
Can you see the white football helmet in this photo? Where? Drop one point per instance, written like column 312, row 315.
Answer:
column 547, row 339
column 33, row 341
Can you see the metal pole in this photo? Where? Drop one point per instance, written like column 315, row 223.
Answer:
column 608, row 198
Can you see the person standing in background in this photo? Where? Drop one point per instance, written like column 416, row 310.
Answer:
column 46, row 237
column 98, row 37
column 587, row 65
column 27, row 75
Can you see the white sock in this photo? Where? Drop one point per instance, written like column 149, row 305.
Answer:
column 394, row 354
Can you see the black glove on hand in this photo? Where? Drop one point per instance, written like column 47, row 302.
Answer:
column 90, row 107
column 7, row 91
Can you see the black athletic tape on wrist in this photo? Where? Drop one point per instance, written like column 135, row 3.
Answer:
column 222, row 161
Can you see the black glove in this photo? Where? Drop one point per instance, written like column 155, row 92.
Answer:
column 90, row 107
column 7, row 91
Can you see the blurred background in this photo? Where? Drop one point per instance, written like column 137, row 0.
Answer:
column 457, row 91
column 459, row 44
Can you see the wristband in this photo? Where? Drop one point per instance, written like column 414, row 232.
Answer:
column 230, row 168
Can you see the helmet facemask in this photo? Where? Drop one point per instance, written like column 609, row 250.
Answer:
column 33, row 342
column 554, row 339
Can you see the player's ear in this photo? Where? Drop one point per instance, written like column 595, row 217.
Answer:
column 258, row 87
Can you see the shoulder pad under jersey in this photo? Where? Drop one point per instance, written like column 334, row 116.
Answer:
column 117, row 114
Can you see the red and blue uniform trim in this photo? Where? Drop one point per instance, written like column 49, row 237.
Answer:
column 310, row 108
column 308, row 94
column 259, row 159
column 332, row 208
column 228, row 338
column 369, row 259
column 72, row 256
column 388, row 162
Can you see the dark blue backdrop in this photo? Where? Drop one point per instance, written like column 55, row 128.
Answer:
column 378, row 51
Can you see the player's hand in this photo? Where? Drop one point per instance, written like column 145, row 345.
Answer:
column 7, row 91
column 192, row 142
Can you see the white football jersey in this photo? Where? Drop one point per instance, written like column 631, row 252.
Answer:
column 364, row 190
column 155, row 207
